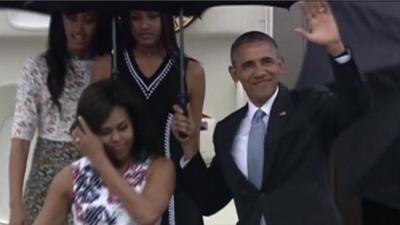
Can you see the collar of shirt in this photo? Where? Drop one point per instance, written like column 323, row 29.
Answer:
column 266, row 107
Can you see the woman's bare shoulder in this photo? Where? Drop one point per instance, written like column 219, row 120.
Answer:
column 195, row 70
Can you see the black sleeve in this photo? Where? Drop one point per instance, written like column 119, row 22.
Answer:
column 205, row 185
column 349, row 98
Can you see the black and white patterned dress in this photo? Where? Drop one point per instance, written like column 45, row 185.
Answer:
column 159, row 93
column 93, row 203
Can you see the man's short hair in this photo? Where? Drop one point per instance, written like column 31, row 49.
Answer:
column 249, row 37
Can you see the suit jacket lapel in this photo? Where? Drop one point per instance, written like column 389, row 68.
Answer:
column 279, row 113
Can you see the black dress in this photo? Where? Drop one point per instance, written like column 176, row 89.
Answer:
column 159, row 93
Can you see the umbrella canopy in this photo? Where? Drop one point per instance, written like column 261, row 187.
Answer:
column 48, row 7
column 190, row 8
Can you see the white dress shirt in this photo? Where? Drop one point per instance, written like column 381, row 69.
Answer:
column 240, row 142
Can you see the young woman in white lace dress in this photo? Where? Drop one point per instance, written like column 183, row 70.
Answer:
column 121, row 179
column 49, row 88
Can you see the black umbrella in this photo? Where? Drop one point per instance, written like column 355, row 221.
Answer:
column 48, row 7
column 190, row 8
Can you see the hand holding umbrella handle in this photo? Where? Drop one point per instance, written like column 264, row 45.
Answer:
column 182, row 102
column 184, row 124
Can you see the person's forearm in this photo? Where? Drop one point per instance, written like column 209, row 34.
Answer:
column 352, row 94
column 205, row 185
column 17, row 165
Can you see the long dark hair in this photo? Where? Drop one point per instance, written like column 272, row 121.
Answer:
column 57, row 56
column 167, row 33
column 100, row 98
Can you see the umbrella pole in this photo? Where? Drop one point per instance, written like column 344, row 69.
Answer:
column 182, row 98
column 114, row 65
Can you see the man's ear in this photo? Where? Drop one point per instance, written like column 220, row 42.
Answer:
column 232, row 71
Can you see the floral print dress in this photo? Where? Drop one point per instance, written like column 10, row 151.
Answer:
column 93, row 203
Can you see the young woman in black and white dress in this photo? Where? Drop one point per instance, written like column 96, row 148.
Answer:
column 148, row 62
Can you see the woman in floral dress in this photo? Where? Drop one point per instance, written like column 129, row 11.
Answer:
column 121, row 179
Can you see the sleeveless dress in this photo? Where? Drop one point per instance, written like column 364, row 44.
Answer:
column 93, row 203
column 159, row 93
column 34, row 111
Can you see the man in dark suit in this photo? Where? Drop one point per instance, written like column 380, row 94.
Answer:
column 287, row 182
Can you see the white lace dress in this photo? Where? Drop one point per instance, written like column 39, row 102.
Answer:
column 34, row 111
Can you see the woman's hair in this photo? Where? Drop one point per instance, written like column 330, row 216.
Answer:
column 57, row 56
column 167, row 33
column 100, row 98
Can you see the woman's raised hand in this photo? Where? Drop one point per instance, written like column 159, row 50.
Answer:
column 86, row 141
